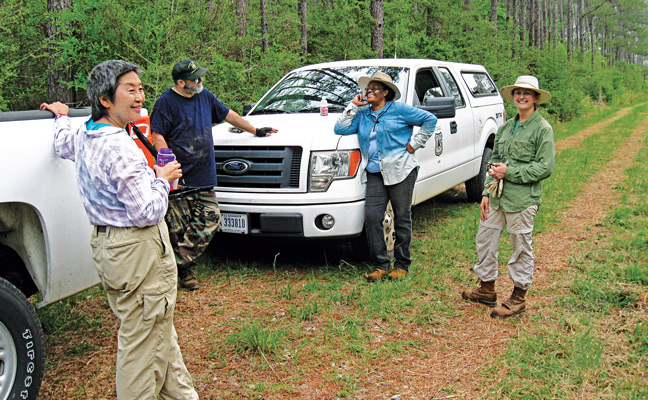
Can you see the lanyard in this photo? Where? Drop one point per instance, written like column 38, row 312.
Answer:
column 380, row 115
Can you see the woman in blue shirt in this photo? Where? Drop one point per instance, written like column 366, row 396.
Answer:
column 384, row 131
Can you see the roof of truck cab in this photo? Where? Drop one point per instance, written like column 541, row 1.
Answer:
column 393, row 62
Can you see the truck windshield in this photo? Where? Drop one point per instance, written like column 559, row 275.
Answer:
column 302, row 91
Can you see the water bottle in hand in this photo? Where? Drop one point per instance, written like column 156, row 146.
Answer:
column 165, row 156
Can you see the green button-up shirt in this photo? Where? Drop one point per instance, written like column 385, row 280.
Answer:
column 530, row 154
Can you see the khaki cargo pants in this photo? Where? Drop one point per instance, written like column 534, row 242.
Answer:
column 138, row 270
column 520, row 228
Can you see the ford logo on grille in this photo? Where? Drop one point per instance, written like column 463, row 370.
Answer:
column 236, row 167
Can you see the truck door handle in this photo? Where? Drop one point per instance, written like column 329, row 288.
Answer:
column 453, row 127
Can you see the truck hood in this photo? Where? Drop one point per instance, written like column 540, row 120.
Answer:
column 308, row 130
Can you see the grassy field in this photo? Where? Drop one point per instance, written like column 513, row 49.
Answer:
column 293, row 320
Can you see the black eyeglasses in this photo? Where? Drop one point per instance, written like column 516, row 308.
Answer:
column 373, row 89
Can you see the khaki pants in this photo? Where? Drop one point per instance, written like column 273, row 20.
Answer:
column 520, row 228
column 137, row 268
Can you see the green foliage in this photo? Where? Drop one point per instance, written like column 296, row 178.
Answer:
column 157, row 34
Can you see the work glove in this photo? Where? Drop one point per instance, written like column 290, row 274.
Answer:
column 495, row 187
column 261, row 132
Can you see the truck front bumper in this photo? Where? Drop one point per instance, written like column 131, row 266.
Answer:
column 299, row 220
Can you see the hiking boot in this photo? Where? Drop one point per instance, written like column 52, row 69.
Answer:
column 513, row 306
column 189, row 282
column 397, row 273
column 484, row 294
column 377, row 275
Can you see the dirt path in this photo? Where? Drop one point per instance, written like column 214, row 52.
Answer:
column 573, row 141
column 452, row 355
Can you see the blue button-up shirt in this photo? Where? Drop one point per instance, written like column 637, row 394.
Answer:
column 394, row 126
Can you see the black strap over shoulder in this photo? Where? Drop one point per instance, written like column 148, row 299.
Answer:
column 149, row 146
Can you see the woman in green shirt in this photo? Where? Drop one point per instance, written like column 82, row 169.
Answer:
column 523, row 156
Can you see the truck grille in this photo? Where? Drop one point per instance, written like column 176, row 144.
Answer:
column 275, row 167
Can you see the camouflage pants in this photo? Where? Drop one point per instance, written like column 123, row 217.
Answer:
column 192, row 220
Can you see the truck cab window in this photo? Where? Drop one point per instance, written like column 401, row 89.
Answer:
column 479, row 84
column 427, row 87
column 459, row 101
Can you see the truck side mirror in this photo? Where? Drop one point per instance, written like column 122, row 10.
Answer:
column 247, row 107
column 442, row 107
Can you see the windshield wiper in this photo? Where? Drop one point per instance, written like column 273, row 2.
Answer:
column 267, row 111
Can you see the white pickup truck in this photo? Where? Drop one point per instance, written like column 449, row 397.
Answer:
column 44, row 242
column 302, row 182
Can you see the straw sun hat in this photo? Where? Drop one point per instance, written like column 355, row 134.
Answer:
column 526, row 82
column 382, row 78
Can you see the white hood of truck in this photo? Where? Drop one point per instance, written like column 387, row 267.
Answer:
column 309, row 131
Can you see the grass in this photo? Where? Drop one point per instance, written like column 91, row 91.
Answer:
column 315, row 318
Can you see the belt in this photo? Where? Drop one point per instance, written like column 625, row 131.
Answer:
column 101, row 228
column 185, row 191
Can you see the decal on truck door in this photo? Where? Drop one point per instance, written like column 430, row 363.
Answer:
column 438, row 141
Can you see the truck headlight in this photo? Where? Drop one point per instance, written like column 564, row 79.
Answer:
column 326, row 166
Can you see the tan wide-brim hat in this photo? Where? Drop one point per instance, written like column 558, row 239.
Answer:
column 526, row 82
column 382, row 78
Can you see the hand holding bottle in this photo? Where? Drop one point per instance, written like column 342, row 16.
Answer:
column 170, row 171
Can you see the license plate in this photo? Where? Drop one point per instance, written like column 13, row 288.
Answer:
column 234, row 223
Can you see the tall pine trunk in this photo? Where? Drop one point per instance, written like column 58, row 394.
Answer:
column 570, row 37
column 58, row 76
column 241, row 18
column 377, row 32
column 304, row 38
column 264, row 27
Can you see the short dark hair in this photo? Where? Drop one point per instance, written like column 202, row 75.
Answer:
column 390, row 94
column 103, row 81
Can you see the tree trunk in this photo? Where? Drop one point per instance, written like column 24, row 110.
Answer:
column 433, row 26
column 377, row 32
column 516, row 24
column 508, row 12
column 521, row 24
column 581, row 26
column 304, row 38
column 241, row 18
column 546, row 27
column 590, row 20
column 58, row 76
column 532, row 22
column 538, row 22
column 570, row 38
column 264, row 27
column 555, row 24
column 494, row 13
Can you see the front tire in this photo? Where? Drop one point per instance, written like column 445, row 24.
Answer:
column 475, row 185
column 22, row 349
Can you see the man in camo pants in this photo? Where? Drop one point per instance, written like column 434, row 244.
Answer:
column 182, row 120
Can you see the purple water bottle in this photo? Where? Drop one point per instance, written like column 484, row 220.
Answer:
column 165, row 156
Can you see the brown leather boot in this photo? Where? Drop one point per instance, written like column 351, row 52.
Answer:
column 377, row 275
column 484, row 294
column 189, row 282
column 397, row 273
column 513, row 306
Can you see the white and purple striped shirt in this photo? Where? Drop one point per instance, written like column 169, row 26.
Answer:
column 116, row 185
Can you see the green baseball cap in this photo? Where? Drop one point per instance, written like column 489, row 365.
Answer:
column 187, row 69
